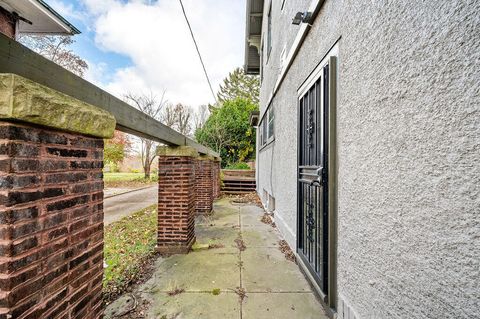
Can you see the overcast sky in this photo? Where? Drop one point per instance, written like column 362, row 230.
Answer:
column 141, row 45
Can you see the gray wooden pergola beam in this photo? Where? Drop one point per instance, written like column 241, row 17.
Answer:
column 18, row 59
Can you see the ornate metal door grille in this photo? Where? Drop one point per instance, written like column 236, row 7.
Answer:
column 313, row 180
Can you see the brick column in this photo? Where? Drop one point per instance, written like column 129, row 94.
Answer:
column 204, row 185
column 217, row 183
column 214, row 179
column 51, row 202
column 176, row 199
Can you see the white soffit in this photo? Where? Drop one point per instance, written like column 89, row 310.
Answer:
column 44, row 19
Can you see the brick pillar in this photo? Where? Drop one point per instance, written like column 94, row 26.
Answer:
column 217, row 183
column 51, row 203
column 176, row 199
column 204, row 185
column 214, row 180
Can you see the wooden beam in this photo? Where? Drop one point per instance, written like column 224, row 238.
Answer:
column 18, row 59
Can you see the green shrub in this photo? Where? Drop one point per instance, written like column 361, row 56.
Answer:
column 238, row 165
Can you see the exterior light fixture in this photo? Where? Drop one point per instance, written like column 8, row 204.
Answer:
column 302, row 17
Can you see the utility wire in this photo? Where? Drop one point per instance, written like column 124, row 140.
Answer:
column 198, row 51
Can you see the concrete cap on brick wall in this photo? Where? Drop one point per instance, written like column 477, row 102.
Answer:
column 26, row 101
column 206, row 158
column 177, row 151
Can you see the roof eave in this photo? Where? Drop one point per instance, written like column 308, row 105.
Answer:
column 61, row 19
column 250, row 66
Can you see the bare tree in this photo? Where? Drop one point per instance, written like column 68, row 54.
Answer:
column 178, row 117
column 56, row 48
column 183, row 116
column 152, row 106
column 200, row 117
column 168, row 116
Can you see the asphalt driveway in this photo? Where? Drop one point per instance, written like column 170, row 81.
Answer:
column 118, row 206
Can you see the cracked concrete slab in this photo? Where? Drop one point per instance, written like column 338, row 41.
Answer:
column 208, row 282
column 217, row 235
column 257, row 237
column 195, row 305
column 282, row 306
column 276, row 274
column 198, row 271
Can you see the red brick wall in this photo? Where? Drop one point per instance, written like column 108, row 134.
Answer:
column 204, row 186
column 7, row 25
column 51, row 224
column 176, row 204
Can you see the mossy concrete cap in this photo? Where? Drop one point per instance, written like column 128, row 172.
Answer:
column 206, row 158
column 177, row 151
column 27, row 101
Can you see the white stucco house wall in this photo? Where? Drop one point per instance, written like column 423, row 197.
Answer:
column 368, row 149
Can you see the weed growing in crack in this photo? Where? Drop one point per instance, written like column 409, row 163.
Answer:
column 240, row 243
column 175, row 292
column 240, row 293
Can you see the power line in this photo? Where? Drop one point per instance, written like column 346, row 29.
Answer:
column 198, row 51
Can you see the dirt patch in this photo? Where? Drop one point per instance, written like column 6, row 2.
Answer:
column 148, row 268
column 267, row 219
column 136, row 308
column 285, row 249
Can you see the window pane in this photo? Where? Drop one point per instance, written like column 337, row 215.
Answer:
column 270, row 123
column 265, row 136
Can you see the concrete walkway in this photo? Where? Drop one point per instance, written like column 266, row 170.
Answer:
column 119, row 206
column 228, row 281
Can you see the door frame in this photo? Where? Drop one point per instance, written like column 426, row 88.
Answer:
column 329, row 299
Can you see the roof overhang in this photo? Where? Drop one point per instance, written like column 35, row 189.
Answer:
column 253, row 35
column 44, row 20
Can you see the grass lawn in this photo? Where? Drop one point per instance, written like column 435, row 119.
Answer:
column 129, row 245
column 127, row 179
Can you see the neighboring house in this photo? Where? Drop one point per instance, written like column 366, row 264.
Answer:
column 368, row 149
column 32, row 17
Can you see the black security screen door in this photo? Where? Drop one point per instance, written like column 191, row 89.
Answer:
column 313, row 180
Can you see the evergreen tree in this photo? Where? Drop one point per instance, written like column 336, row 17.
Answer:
column 239, row 85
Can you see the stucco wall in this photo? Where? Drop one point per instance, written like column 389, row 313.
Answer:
column 408, row 120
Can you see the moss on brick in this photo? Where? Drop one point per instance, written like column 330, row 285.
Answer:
column 27, row 101
column 177, row 151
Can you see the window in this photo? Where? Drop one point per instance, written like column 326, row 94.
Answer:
column 269, row 32
column 265, row 135
column 260, row 134
column 266, row 127
column 270, row 123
